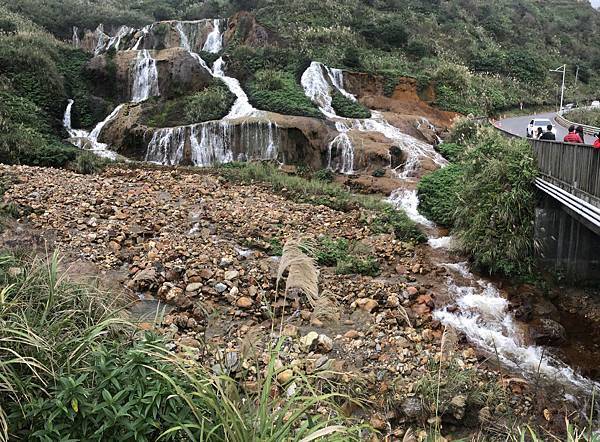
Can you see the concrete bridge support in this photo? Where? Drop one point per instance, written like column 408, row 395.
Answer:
column 567, row 243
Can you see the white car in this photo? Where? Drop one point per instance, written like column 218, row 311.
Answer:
column 532, row 129
column 596, row 103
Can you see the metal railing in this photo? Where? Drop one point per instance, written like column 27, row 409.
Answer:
column 574, row 168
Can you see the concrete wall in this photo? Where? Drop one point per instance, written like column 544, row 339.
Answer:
column 565, row 244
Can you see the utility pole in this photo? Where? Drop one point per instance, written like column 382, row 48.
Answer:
column 562, row 69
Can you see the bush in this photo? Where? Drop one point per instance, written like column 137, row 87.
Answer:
column 87, row 163
column 495, row 224
column 325, row 175
column 451, row 151
column 213, row 103
column 464, row 131
column 346, row 257
column 347, row 108
column 394, row 221
column 278, row 91
column 438, row 194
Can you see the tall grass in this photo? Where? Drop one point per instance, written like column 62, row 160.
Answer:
column 73, row 368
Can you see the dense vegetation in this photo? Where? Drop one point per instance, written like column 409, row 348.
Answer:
column 482, row 57
column 37, row 74
column 213, row 103
column 72, row 369
column 589, row 117
column 488, row 198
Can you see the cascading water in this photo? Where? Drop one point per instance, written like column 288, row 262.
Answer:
column 318, row 82
column 216, row 142
column 242, row 106
column 167, row 146
column 145, row 80
column 483, row 314
column 214, row 41
column 89, row 140
column 342, row 145
column 75, row 39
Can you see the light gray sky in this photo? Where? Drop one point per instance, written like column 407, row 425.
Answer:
column 595, row 3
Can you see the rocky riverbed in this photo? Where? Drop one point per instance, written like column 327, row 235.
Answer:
column 197, row 255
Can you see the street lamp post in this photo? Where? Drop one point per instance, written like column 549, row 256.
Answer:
column 562, row 69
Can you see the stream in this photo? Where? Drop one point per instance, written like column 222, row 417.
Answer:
column 475, row 306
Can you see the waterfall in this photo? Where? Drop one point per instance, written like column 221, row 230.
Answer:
column 342, row 144
column 73, row 133
column 184, row 41
column 75, row 40
column 318, row 81
column 167, row 146
column 214, row 41
column 89, row 140
column 242, row 106
column 216, row 142
column 145, row 30
column 415, row 149
column 211, row 144
column 145, row 81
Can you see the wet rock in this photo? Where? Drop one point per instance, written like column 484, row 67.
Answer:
column 548, row 332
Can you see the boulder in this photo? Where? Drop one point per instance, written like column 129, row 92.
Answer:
column 548, row 332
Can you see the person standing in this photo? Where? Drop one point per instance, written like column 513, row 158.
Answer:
column 597, row 142
column 579, row 131
column 539, row 134
column 572, row 136
column 548, row 135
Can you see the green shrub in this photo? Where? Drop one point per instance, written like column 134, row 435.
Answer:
column 213, row 103
column 87, row 163
column 278, row 91
column 345, row 256
column 589, row 117
column 347, row 108
column 397, row 222
column 451, row 151
column 464, row 131
column 438, row 194
column 325, row 175
column 495, row 217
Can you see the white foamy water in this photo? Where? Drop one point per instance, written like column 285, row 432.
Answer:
column 89, row 140
column 443, row 242
column 320, row 81
column 344, row 149
column 484, row 316
column 145, row 77
column 214, row 41
column 242, row 106
column 408, row 201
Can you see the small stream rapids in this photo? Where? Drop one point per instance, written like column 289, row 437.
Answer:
column 483, row 315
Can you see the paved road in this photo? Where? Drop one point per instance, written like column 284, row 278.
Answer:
column 517, row 126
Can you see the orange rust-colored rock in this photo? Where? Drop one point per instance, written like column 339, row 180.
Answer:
column 404, row 101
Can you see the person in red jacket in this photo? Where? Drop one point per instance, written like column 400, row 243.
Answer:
column 572, row 136
column 597, row 142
